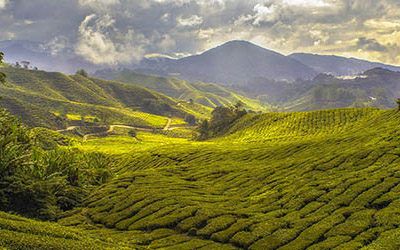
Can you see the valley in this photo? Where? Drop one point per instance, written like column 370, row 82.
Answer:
column 208, row 151
column 316, row 180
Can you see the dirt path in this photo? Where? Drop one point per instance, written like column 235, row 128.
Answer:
column 112, row 128
column 168, row 125
column 70, row 128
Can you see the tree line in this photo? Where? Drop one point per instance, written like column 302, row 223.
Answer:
column 221, row 120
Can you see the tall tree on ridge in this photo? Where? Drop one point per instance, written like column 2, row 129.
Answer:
column 2, row 75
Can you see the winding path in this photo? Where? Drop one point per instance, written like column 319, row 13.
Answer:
column 167, row 127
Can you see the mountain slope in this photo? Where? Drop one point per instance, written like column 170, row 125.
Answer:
column 234, row 62
column 337, row 65
column 373, row 88
column 208, row 94
column 48, row 95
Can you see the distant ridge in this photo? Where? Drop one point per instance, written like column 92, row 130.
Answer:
column 338, row 65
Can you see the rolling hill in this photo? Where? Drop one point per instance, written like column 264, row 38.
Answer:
column 373, row 88
column 42, row 98
column 207, row 94
column 304, row 180
column 286, row 181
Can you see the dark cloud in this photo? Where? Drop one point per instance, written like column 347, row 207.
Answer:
column 172, row 27
column 370, row 44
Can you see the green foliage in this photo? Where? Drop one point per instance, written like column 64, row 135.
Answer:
column 222, row 119
column 398, row 103
column 41, row 183
column 49, row 139
column 132, row 133
column 2, row 75
column 190, row 119
column 82, row 72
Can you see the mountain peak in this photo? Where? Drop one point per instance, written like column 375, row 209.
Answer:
column 238, row 43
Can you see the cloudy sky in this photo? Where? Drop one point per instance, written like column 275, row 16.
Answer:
column 123, row 31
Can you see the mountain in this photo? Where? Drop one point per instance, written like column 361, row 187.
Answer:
column 376, row 87
column 337, row 65
column 232, row 63
column 56, row 100
column 207, row 94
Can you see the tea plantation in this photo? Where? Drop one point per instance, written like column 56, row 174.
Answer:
column 313, row 180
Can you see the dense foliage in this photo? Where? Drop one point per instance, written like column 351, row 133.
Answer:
column 42, row 183
column 221, row 120
column 2, row 75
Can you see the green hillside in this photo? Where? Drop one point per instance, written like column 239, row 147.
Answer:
column 208, row 94
column 315, row 180
column 50, row 99
column 304, row 180
column 374, row 88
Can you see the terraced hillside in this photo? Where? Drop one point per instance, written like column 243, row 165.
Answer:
column 313, row 180
column 49, row 99
column 208, row 94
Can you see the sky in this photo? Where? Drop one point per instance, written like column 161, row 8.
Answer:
column 124, row 31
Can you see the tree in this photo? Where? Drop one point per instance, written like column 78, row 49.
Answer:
column 82, row 72
column 221, row 120
column 190, row 119
column 398, row 103
column 132, row 133
column 204, row 130
column 2, row 75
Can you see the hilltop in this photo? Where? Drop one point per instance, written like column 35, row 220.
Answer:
column 338, row 65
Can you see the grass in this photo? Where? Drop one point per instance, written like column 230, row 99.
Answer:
column 309, row 180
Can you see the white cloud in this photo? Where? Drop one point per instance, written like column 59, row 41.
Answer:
column 167, row 43
column 101, row 43
column 191, row 21
column 3, row 4
column 57, row 45
column 265, row 13
column 307, row 3
column 99, row 5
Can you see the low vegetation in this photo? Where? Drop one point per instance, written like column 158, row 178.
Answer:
column 40, row 179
